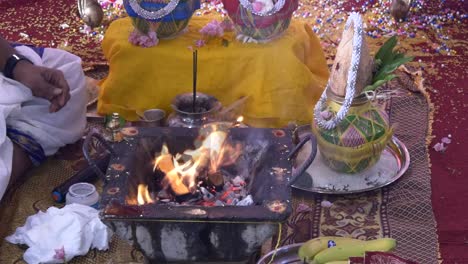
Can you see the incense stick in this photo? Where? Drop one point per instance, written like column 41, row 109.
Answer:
column 195, row 64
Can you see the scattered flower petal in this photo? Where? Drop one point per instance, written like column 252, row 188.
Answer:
column 60, row 253
column 446, row 140
column 200, row 43
column 212, row 29
column 439, row 147
column 326, row 203
column 23, row 35
column 146, row 41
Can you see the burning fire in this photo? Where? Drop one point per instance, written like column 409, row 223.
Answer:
column 184, row 171
column 143, row 195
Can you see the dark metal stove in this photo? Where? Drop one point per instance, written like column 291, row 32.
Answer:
column 191, row 233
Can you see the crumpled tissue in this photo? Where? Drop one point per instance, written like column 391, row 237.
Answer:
column 58, row 235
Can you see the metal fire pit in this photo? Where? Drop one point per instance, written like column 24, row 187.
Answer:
column 180, row 233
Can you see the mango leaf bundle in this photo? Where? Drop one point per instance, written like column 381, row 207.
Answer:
column 387, row 61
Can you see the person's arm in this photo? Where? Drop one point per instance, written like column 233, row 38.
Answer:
column 43, row 82
column 5, row 52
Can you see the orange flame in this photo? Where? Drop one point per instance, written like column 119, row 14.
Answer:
column 181, row 171
column 144, row 196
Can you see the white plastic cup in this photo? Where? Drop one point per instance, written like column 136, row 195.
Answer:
column 83, row 193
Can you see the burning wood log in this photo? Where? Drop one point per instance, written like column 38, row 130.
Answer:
column 342, row 63
column 216, row 180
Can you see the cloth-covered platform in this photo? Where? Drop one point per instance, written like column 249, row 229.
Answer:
column 283, row 78
column 402, row 210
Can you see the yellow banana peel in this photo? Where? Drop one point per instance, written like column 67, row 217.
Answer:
column 309, row 249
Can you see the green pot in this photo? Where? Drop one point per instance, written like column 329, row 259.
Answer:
column 357, row 142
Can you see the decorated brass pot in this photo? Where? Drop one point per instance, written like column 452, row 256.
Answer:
column 158, row 19
column 260, row 20
column 356, row 143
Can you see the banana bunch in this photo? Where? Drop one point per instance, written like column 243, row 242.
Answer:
column 337, row 250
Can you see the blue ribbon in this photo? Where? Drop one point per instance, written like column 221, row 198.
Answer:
column 183, row 10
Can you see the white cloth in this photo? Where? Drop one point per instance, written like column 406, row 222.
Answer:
column 29, row 114
column 61, row 234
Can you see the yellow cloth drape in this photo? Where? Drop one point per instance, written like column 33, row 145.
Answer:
column 283, row 78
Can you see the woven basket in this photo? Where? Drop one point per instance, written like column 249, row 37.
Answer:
column 260, row 28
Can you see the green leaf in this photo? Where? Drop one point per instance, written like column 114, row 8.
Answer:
column 378, row 62
column 379, row 83
column 389, row 68
column 398, row 56
column 386, row 48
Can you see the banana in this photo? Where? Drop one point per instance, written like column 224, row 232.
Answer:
column 309, row 249
column 341, row 253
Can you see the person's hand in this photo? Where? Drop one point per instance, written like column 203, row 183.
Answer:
column 44, row 82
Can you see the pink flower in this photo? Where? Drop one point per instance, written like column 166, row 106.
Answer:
column 258, row 6
column 440, row 147
column 446, row 140
column 212, row 29
column 104, row 5
column 133, row 38
column 326, row 115
column 145, row 41
column 200, row 43
column 60, row 253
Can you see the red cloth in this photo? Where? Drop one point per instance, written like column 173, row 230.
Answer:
column 49, row 23
column 450, row 169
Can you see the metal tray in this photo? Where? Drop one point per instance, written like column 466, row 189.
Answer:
column 284, row 255
column 318, row 178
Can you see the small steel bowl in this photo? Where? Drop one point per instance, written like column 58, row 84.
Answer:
column 151, row 118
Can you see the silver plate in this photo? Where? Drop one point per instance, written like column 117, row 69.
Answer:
column 284, row 255
column 319, row 178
